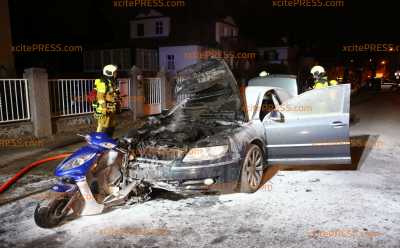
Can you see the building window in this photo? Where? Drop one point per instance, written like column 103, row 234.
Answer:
column 126, row 59
column 89, row 61
column 146, row 59
column 271, row 55
column 266, row 55
column 116, row 56
column 106, row 57
column 97, row 60
column 140, row 29
column 159, row 28
column 171, row 62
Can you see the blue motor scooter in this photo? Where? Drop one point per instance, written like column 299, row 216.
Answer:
column 90, row 180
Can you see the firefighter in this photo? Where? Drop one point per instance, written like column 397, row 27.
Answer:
column 108, row 100
column 320, row 78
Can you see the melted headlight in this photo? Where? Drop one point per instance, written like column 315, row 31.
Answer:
column 205, row 153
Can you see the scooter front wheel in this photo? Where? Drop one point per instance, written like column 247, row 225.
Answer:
column 51, row 213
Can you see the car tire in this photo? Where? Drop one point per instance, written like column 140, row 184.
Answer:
column 252, row 170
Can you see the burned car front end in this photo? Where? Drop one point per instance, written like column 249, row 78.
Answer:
column 193, row 147
column 187, row 169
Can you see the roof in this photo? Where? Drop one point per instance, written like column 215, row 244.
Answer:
column 286, row 82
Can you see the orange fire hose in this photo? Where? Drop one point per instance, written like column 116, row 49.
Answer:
column 20, row 173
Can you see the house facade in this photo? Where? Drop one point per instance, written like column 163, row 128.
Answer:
column 157, row 42
column 146, row 33
column 282, row 58
column 210, row 38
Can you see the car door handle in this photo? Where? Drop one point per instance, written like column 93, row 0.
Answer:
column 337, row 124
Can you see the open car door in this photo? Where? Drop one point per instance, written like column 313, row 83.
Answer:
column 311, row 128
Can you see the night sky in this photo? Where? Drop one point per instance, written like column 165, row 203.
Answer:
column 82, row 20
column 91, row 22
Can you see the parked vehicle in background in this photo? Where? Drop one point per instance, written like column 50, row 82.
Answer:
column 375, row 84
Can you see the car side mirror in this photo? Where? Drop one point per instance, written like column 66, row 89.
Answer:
column 277, row 116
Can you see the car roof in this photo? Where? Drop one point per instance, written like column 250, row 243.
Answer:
column 286, row 82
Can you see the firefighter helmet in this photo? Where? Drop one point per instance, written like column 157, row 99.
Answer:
column 109, row 70
column 317, row 70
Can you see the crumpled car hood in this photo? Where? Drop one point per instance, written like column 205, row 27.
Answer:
column 212, row 106
column 211, row 92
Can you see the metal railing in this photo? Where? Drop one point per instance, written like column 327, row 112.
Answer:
column 14, row 100
column 69, row 97
column 152, row 88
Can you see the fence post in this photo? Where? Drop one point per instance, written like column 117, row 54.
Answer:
column 38, row 88
column 136, row 99
column 163, row 78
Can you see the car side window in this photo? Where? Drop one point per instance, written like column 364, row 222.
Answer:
column 268, row 104
column 317, row 101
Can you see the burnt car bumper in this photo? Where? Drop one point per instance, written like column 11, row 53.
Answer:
column 208, row 176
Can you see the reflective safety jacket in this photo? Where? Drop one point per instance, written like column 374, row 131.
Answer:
column 320, row 85
column 107, row 96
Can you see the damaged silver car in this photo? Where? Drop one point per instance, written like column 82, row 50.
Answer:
column 210, row 141
column 212, row 137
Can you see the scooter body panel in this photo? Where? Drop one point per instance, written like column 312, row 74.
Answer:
column 86, row 157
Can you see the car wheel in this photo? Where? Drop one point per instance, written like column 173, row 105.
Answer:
column 252, row 170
